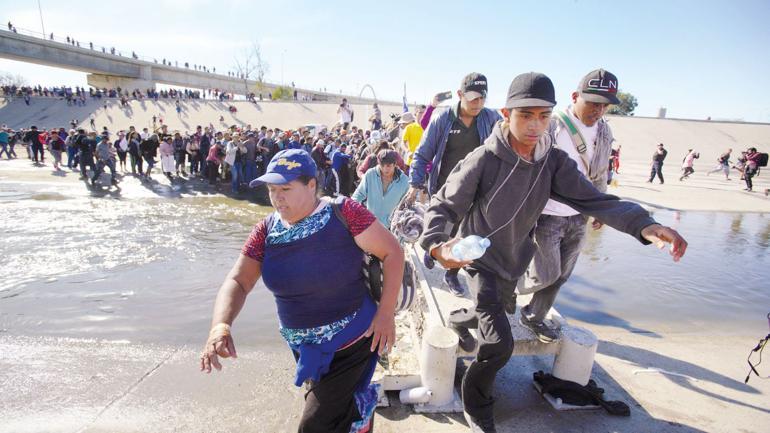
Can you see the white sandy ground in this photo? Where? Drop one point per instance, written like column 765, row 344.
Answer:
column 674, row 382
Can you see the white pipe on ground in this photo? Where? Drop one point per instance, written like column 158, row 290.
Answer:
column 438, row 360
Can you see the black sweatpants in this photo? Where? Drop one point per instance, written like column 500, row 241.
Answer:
column 329, row 404
column 495, row 339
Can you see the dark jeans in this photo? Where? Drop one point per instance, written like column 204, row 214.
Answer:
column 196, row 163
column 38, row 149
column 212, row 171
column 136, row 163
column 657, row 168
column 748, row 173
column 179, row 157
column 204, row 153
column 330, row 406
column 109, row 163
column 150, row 160
column 4, row 148
column 86, row 159
column 72, row 156
column 249, row 171
column 495, row 339
column 236, row 174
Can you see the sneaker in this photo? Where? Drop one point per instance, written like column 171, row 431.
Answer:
column 453, row 283
column 467, row 342
column 543, row 332
column 478, row 425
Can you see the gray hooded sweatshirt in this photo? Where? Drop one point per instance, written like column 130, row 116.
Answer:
column 494, row 193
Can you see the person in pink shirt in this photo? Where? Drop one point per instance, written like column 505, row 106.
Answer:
column 214, row 159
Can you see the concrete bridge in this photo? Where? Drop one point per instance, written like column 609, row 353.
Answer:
column 107, row 70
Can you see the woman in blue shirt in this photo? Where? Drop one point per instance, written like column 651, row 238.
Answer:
column 325, row 312
column 382, row 187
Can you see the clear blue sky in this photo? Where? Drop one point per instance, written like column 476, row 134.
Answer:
column 696, row 58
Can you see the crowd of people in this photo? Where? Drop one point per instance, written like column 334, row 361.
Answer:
column 78, row 96
column 748, row 165
column 523, row 180
column 526, row 177
column 237, row 155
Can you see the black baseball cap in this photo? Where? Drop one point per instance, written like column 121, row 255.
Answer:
column 474, row 85
column 599, row 86
column 532, row 89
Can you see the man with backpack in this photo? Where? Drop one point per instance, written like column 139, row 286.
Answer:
column 581, row 131
column 754, row 160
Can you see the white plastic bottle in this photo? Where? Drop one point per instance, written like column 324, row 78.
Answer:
column 470, row 248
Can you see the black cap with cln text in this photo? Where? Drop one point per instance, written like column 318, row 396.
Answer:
column 474, row 86
column 532, row 89
column 599, row 86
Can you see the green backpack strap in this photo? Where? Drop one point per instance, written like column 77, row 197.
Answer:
column 577, row 139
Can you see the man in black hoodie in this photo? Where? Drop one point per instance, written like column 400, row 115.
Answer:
column 498, row 191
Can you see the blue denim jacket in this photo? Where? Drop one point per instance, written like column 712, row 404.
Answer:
column 433, row 144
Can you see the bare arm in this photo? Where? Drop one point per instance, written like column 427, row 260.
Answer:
column 230, row 299
column 380, row 242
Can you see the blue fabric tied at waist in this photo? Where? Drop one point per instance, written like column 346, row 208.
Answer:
column 314, row 359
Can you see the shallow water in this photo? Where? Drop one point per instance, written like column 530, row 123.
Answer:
column 722, row 284
column 144, row 269
column 147, row 269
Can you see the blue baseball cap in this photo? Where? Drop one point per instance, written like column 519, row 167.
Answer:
column 286, row 166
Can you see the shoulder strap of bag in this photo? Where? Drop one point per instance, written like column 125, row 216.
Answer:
column 371, row 266
column 336, row 205
column 577, row 139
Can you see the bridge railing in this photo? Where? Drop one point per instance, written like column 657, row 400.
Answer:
column 90, row 46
